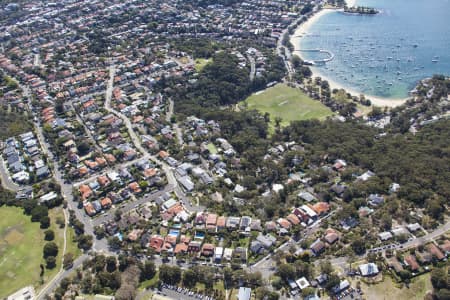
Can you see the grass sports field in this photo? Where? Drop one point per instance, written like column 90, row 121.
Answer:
column 21, row 249
column 21, row 243
column 288, row 103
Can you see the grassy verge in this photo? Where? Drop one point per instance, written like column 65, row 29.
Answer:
column 149, row 283
column 287, row 103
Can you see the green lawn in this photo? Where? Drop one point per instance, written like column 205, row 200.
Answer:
column 21, row 244
column 288, row 103
column 212, row 148
column 200, row 63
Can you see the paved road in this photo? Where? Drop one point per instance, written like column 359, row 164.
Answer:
column 175, row 126
column 54, row 283
column 6, row 180
column 130, row 205
column 251, row 59
column 428, row 237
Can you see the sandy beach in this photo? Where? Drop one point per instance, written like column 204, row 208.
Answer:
column 303, row 29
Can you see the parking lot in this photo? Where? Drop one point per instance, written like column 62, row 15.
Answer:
column 176, row 292
column 349, row 294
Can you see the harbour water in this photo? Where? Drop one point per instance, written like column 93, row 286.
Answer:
column 383, row 55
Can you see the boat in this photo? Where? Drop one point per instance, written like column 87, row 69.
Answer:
column 389, row 57
column 435, row 60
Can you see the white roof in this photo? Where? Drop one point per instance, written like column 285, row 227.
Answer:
column 277, row 187
column 244, row 293
column 399, row 231
column 169, row 203
column 113, row 175
column 219, row 251
column 302, row 283
column 228, row 252
column 308, row 211
column 368, row 269
column 49, row 196
column 413, row 227
column 385, row 235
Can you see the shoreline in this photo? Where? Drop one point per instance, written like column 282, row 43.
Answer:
column 295, row 41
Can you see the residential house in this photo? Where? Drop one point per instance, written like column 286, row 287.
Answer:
column 369, row 269
column 156, row 242
column 411, row 262
column 208, row 250
column 194, row 246
column 317, row 247
column 211, row 222
column 435, row 251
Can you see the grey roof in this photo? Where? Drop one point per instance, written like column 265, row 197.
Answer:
column 42, row 171
column 267, row 240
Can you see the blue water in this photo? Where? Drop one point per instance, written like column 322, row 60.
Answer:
column 376, row 55
column 174, row 232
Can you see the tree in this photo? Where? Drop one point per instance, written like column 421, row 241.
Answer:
column 263, row 293
column 38, row 213
column 326, row 267
column 68, row 260
column 286, row 272
column 83, row 148
column 85, row 242
column 404, row 274
column 49, row 235
column 111, row 264
column 28, row 205
column 439, row 278
column 78, row 226
column 308, row 292
column 148, row 270
column 50, row 262
column 44, row 222
column 333, row 280
column 190, row 278
column 50, row 249
column 170, row 275
column 99, row 232
column 114, row 243
column 386, row 222
column 358, row 246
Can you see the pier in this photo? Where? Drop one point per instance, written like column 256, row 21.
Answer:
column 319, row 61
